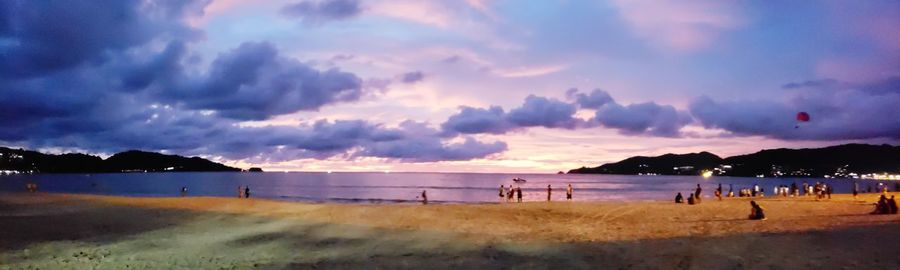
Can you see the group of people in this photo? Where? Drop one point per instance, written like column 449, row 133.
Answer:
column 243, row 191
column 885, row 206
column 511, row 191
column 695, row 196
column 31, row 187
column 507, row 193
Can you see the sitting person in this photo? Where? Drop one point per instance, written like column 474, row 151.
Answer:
column 691, row 200
column 892, row 205
column 756, row 211
column 679, row 198
column 881, row 207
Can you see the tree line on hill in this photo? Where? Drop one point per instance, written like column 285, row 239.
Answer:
column 837, row 161
column 128, row 161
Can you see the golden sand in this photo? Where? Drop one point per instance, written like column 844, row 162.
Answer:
column 84, row 231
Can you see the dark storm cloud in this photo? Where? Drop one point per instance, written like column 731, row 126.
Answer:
column 837, row 114
column 39, row 37
column 252, row 82
column 89, row 75
column 412, row 77
column 321, row 11
column 643, row 118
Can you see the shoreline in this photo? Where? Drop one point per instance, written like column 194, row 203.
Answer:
column 45, row 230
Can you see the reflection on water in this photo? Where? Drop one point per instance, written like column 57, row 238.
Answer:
column 398, row 187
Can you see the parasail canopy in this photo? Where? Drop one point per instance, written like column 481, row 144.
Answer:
column 802, row 117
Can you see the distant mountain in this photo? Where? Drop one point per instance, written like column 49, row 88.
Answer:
column 666, row 164
column 25, row 160
column 838, row 161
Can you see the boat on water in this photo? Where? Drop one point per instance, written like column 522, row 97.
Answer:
column 519, row 180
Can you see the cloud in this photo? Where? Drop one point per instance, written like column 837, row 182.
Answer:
column 676, row 25
column 811, row 83
column 594, row 100
column 252, row 82
column 419, row 144
column 471, row 120
column 535, row 111
column 40, row 37
column 322, row 11
column 643, row 118
column 544, row 112
column 412, row 77
column 837, row 114
column 127, row 81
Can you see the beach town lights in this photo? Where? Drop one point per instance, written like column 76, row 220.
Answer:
column 882, row 176
column 706, row 174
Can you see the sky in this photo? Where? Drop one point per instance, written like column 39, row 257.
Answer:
column 446, row 86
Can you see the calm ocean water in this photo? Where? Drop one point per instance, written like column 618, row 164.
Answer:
column 398, row 187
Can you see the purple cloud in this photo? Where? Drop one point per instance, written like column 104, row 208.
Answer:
column 594, row 100
column 643, row 118
column 471, row 120
column 838, row 114
column 412, row 77
column 321, row 11
column 544, row 112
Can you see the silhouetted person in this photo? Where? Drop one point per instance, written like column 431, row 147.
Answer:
column 679, row 198
column 855, row 190
column 829, row 190
column 756, row 211
column 247, row 192
column 501, row 194
column 697, row 193
column 569, row 193
column 424, row 197
column 892, row 205
column 519, row 193
column 549, row 191
column 881, row 207
column 755, row 190
column 691, row 199
column 719, row 192
column 510, row 193
column 730, row 190
column 869, row 188
column 183, row 191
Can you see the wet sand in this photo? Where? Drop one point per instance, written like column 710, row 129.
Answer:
column 64, row 231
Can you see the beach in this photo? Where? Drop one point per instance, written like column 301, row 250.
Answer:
column 68, row 231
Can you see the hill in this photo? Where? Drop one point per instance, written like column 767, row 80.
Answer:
column 838, row 161
column 25, row 160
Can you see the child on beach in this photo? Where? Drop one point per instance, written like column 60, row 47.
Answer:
column 881, row 207
column 756, row 211
column 519, row 193
column 691, row 200
column 501, row 193
column 679, row 198
column 569, row 193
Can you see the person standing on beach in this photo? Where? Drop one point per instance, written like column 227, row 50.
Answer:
column 519, row 193
column 509, row 193
column 697, row 193
column 549, row 191
column 730, row 190
column 755, row 190
column 247, row 192
column 855, row 190
column 240, row 192
column 183, row 191
column 424, row 197
column 569, row 193
column 892, row 205
column 719, row 192
column 501, row 193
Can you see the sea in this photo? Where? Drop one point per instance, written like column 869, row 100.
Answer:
column 379, row 187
